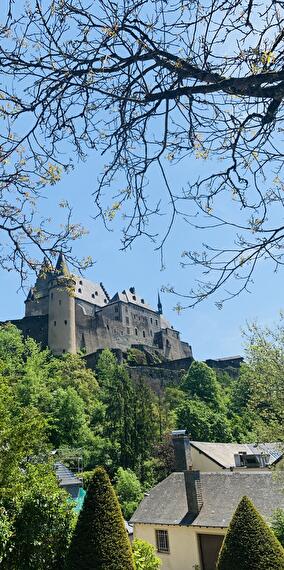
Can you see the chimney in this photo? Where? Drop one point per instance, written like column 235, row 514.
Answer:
column 183, row 462
column 182, row 452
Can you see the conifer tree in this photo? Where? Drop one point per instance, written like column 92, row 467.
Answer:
column 100, row 540
column 249, row 543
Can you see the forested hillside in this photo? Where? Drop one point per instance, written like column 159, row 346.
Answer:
column 49, row 403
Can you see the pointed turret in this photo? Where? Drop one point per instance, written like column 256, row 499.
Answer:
column 30, row 296
column 160, row 308
column 61, row 265
column 45, row 269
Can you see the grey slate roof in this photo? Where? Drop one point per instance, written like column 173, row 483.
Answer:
column 221, row 491
column 223, row 453
column 65, row 476
column 128, row 297
column 90, row 292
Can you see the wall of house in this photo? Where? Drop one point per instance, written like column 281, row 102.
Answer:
column 202, row 463
column 183, row 544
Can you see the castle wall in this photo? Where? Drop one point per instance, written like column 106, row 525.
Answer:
column 35, row 327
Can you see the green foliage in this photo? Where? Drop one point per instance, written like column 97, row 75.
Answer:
column 145, row 555
column 129, row 491
column 201, row 382
column 277, row 525
column 100, row 540
column 249, row 542
column 203, row 423
column 136, row 357
column 38, row 524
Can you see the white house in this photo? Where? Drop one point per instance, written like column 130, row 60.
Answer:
column 186, row 516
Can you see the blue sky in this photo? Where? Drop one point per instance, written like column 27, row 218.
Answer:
column 210, row 331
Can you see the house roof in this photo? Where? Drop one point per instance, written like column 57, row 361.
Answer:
column 167, row 503
column 223, row 453
column 65, row 476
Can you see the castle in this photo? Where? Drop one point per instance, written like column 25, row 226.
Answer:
column 68, row 313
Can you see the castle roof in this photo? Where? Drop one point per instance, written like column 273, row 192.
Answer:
column 130, row 296
column 90, row 292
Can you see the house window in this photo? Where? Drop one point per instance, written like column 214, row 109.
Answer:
column 162, row 540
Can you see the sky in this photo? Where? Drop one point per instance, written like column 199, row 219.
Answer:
column 212, row 333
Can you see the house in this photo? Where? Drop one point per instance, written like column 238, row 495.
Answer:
column 207, row 456
column 186, row 515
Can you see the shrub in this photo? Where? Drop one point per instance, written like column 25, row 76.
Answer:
column 277, row 523
column 144, row 555
column 249, row 543
column 100, row 540
column 136, row 357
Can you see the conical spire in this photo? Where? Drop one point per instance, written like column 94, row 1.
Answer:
column 30, row 295
column 61, row 265
column 160, row 308
column 45, row 268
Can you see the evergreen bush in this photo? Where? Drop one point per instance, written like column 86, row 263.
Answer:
column 100, row 541
column 249, row 543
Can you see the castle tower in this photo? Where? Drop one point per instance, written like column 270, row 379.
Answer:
column 61, row 314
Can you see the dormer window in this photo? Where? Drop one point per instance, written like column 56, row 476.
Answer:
column 79, row 290
column 142, row 301
column 96, row 293
column 81, row 282
column 105, row 301
column 93, row 295
column 134, row 297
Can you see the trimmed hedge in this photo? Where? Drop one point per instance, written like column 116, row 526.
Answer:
column 100, row 541
column 249, row 543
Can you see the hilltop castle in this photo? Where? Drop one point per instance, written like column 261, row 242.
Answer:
column 69, row 314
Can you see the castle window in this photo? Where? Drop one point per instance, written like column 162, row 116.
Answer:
column 116, row 309
column 142, row 301
column 59, row 302
column 156, row 322
column 79, row 290
column 63, row 350
column 105, row 301
column 151, row 333
column 96, row 293
column 54, row 322
column 116, row 318
column 81, row 282
column 144, row 334
column 51, row 296
column 128, row 330
column 151, row 320
column 93, row 295
column 126, row 309
column 136, row 332
column 127, row 320
column 134, row 297
column 65, row 322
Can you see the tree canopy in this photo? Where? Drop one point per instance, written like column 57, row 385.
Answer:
column 150, row 84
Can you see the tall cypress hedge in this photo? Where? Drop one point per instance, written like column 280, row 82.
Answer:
column 249, row 543
column 100, row 541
